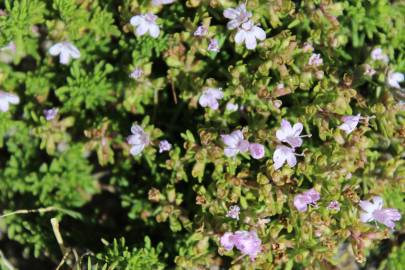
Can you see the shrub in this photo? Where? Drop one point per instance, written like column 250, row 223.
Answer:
column 204, row 134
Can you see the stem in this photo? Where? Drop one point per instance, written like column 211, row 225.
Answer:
column 30, row 211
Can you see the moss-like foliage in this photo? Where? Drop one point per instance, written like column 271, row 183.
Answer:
column 72, row 181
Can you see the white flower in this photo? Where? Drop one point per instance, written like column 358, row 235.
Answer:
column 315, row 60
column 231, row 107
column 282, row 154
column 138, row 140
column 162, row 2
column 213, row 46
column 394, row 78
column 234, row 143
column 210, row 97
column 290, row 134
column 7, row 53
column 248, row 33
column 368, row 70
column 6, row 99
column 145, row 23
column 237, row 16
column 378, row 55
column 349, row 123
column 66, row 51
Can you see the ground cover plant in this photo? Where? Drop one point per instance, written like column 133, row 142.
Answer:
column 202, row 134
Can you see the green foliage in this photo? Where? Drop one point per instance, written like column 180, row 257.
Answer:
column 119, row 256
column 79, row 165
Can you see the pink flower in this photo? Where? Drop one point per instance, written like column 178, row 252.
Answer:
column 6, row 99
column 334, row 205
column 233, row 212
column 136, row 74
column 227, row 241
column 248, row 243
column 164, row 146
column 237, row 16
column 234, row 143
column 307, row 47
column 290, row 134
column 315, row 60
column 284, row 154
column 213, row 46
column 248, row 33
column 210, row 97
column 256, row 150
column 201, row 31
column 51, row 113
column 145, row 23
column 378, row 55
column 138, row 140
column 349, row 123
column 301, row 201
column 373, row 211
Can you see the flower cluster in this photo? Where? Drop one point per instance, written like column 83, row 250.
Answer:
column 235, row 143
column 290, row 135
column 247, row 242
column 247, row 31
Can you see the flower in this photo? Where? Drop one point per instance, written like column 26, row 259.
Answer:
column 231, row 107
column 227, row 241
column 138, row 140
column 234, row 143
column 7, row 53
column 290, row 134
column 334, row 205
column 201, row 31
column 282, row 154
column 307, row 47
column 237, row 16
column 6, row 99
column 162, row 2
column 302, row 200
column 136, row 74
column 368, row 70
column 373, row 211
column 248, row 243
column 51, row 113
column 213, row 46
column 145, row 23
column 349, row 123
column 315, row 60
column 233, row 212
column 256, row 150
column 210, row 97
column 66, row 51
column 394, row 78
column 248, row 33
column 164, row 146
column 378, row 55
